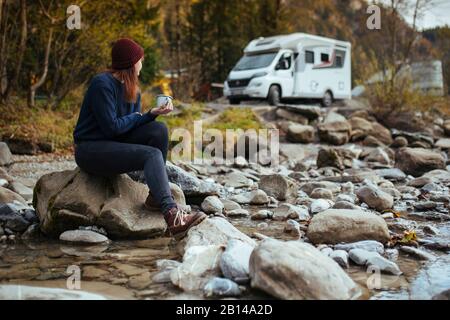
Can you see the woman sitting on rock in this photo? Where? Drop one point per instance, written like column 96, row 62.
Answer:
column 112, row 136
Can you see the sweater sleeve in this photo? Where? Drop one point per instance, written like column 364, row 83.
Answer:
column 146, row 117
column 104, row 109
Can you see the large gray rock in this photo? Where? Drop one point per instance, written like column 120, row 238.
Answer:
column 297, row 270
column 310, row 112
column 20, row 292
column 375, row 198
column 200, row 264
column 8, row 196
column 213, row 231
column 5, row 154
column 22, row 190
column 192, row 186
column 12, row 218
column 342, row 225
column 374, row 259
column 234, row 262
column 336, row 133
column 68, row 199
column 443, row 143
column 417, row 161
column 279, row 186
column 300, row 133
column 291, row 116
column 361, row 125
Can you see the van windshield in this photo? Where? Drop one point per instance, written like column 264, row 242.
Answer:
column 255, row 61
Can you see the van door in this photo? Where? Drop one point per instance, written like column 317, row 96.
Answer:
column 284, row 72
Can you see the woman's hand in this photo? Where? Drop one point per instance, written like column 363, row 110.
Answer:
column 168, row 107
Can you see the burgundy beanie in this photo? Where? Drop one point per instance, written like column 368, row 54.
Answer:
column 125, row 53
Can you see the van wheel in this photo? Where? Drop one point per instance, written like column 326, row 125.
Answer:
column 234, row 101
column 327, row 99
column 274, row 95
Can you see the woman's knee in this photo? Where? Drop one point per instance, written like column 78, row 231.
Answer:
column 153, row 153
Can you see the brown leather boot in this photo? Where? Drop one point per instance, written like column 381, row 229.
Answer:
column 179, row 221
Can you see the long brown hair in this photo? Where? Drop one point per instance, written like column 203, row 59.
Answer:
column 130, row 81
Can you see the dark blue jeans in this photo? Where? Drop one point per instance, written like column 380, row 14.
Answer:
column 143, row 148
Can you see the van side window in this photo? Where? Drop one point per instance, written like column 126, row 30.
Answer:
column 324, row 57
column 339, row 61
column 309, row 56
column 285, row 63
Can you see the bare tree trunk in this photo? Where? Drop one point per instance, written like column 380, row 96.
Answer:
column 40, row 82
column 21, row 50
column 3, row 45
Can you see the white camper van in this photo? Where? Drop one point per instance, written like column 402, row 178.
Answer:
column 293, row 66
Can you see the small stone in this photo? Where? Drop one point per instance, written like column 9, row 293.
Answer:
column 278, row 186
column 262, row 225
column 162, row 276
column 292, row 226
column 5, row 154
column 30, row 215
column 425, row 205
column 346, row 197
column 430, row 230
column 165, row 264
column 83, row 237
column 400, row 142
column 262, row 214
column 348, row 188
column 375, row 198
column 341, row 257
column 321, row 193
column 368, row 245
column 300, row 133
column 419, row 182
column 320, row 205
column 419, row 254
column 326, row 251
column 220, row 287
column 19, row 188
column 345, row 205
column 212, row 204
column 240, row 162
column 229, row 205
column 258, row 197
column 236, row 180
column 287, row 210
column 391, row 254
column 140, row 282
column 238, row 213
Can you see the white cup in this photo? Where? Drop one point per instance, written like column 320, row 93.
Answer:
column 162, row 100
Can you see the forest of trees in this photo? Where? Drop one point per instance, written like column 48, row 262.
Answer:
column 199, row 41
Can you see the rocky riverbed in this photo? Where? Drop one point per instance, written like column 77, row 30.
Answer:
column 355, row 210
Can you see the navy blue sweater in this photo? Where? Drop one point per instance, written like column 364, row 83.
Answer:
column 105, row 114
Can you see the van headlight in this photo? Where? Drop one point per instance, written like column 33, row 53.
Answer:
column 256, row 84
column 259, row 74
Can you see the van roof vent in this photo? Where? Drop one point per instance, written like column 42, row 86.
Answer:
column 264, row 42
